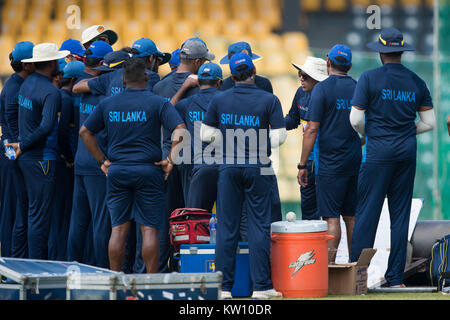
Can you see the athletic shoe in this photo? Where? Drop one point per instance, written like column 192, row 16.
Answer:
column 267, row 294
column 398, row 286
column 446, row 290
column 225, row 295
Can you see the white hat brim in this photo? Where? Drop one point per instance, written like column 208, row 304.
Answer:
column 311, row 72
column 56, row 56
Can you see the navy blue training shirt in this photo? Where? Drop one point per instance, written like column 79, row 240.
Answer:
column 391, row 96
column 67, row 132
column 111, row 83
column 339, row 151
column 39, row 104
column 9, row 108
column 192, row 110
column 245, row 107
column 261, row 82
column 167, row 88
column 133, row 120
column 85, row 163
column 297, row 114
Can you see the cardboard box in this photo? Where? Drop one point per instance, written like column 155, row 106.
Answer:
column 350, row 278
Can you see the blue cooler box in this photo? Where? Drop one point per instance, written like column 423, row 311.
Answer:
column 201, row 258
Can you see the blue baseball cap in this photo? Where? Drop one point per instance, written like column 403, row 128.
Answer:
column 73, row 69
column 238, row 60
column 113, row 61
column 98, row 50
column 390, row 40
column 210, row 71
column 343, row 51
column 146, row 47
column 23, row 50
column 175, row 60
column 62, row 64
column 74, row 46
column 236, row 48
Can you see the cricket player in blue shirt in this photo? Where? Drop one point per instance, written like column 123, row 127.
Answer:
column 89, row 210
column 39, row 103
column 339, row 146
column 134, row 165
column 385, row 106
column 13, row 198
column 203, row 187
column 313, row 71
column 242, row 180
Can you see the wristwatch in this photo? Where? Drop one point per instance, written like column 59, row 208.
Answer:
column 102, row 162
column 300, row 167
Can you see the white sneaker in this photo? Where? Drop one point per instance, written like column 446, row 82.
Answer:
column 266, row 294
column 225, row 295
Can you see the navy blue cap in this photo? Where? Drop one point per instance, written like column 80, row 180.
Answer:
column 175, row 60
column 236, row 48
column 113, row 61
column 240, row 59
column 390, row 40
column 98, row 50
column 23, row 50
column 146, row 47
column 73, row 69
column 210, row 71
column 342, row 51
column 74, row 46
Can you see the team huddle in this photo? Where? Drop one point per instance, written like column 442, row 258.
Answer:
column 99, row 150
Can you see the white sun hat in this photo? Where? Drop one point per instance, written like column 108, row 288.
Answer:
column 316, row 68
column 46, row 52
column 94, row 31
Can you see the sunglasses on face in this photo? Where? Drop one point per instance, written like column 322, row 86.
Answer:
column 304, row 76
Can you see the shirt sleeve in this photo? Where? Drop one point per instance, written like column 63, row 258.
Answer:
column 317, row 105
column 169, row 117
column 181, row 109
column 361, row 98
column 96, row 120
column 211, row 118
column 99, row 85
column 51, row 106
column 11, row 113
column 292, row 120
column 153, row 79
column 427, row 101
column 276, row 119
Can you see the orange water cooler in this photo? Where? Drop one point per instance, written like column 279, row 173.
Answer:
column 299, row 258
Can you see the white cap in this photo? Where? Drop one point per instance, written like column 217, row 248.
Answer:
column 316, row 68
column 46, row 52
column 94, row 31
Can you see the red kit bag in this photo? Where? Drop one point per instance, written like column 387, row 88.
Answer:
column 188, row 226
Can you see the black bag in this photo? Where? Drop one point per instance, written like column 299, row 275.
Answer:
column 439, row 262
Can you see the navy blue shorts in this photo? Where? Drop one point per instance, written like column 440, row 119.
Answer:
column 136, row 192
column 336, row 195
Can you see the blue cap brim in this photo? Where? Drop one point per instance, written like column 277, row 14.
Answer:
column 378, row 47
column 226, row 60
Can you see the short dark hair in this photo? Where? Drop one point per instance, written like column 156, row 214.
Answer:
column 65, row 81
column 127, row 50
column 43, row 64
column 134, row 70
column 92, row 62
column 203, row 82
column 17, row 66
column 338, row 66
column 394, row 54
column 239, row 77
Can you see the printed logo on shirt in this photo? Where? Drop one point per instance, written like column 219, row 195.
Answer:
column 86, row 108
column 196, row 116
column 343, row 104
column 116, row 90
column 25, row 102
column 398, row 95
column 240, row 120
column 130, row 116
column 303, row 108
